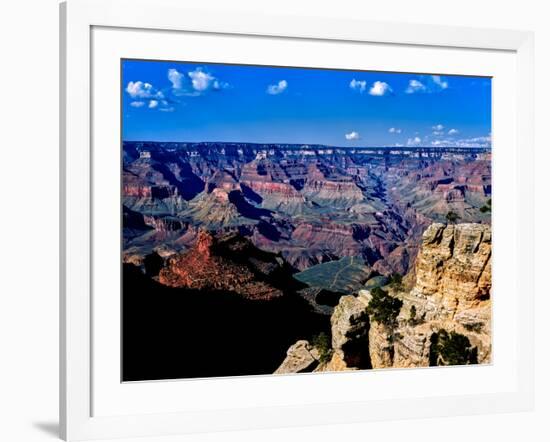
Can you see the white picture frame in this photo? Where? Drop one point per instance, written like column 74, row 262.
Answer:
column 78, row 19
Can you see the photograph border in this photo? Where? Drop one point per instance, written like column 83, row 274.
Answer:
column 76, row 375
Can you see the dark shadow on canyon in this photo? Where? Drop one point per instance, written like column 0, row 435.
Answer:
column 171, row 333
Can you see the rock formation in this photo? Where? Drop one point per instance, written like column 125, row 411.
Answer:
column 445, row 319
column 452, row 292
column 301, row 357
column 228, row 263
column 349, row 328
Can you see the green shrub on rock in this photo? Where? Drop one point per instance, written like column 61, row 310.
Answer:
column 451, row 349
column 384, row 308
column 322, row 343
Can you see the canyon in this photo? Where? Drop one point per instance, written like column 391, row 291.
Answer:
column 258, row 259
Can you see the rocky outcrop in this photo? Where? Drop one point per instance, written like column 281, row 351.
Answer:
column 300, row 357
column 380, row 349
column 453, row 269
column 348, row 321
column 336, row 363
column 452, row 293
column 349, row 343
column 213, row 209
column 228, row 263
column 450, row 298
column 349, row 328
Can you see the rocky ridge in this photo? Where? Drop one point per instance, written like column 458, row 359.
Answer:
column 228, row 262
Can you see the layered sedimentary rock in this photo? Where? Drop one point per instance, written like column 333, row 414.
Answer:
column 229, row 263
column 323, row 185
column 272, row 185
column 452, row 292
column 312, row 204
column 444, row 186
column 213, row 209
column 153, row 186
column 453, row 268
column 450, row 298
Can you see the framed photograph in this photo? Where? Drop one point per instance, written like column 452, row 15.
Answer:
column 276, row 221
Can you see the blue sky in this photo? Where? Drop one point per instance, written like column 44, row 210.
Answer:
column 173, row 101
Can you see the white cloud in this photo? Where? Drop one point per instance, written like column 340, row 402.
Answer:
column 358, row 85
column 438, row 127
column 278, row 88
column 202, row 81
column 414, row 141
column 145, row 94
column 429, row 84
column 415, row 86
column 139, row 89
column 394, row 130
column 442, row 84
column 379, row 88
column 475, row 142
column 352, row 136
column 176, row 78
column 453, row 132
column 484, row 141
column 194, row 83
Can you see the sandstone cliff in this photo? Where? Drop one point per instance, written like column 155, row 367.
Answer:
column 452, row 293
column 445, row 319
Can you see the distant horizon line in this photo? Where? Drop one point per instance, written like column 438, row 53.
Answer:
column 310, row 144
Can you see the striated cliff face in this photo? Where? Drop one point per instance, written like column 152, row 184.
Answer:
column 452, row 293
column 445, row 319
column 453, row 269
column 323, row 185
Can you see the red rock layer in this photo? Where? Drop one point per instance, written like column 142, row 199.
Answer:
column 200, row 268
